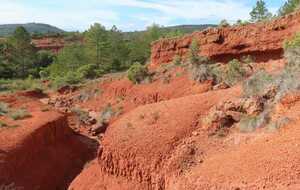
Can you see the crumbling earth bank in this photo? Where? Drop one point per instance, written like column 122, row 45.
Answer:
column 263, row 40
column 42, row 152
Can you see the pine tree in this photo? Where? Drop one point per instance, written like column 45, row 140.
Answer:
column 96, row 39
column 289, row 7
column 118, row 52
column 193, row 52
column 260, row 12
column 23, row 52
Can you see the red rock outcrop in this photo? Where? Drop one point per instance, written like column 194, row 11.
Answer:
column 41, row 152
column 51, row 44
column 263, row 40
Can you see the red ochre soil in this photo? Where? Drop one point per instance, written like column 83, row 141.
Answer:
column 262, row 40
column 140, row 146
column 157, row 141
column 42, row 152
column 54, row 44
column 122, row 93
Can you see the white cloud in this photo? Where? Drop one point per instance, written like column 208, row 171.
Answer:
column 70, row 17
column 129, row 14
column 191, row 9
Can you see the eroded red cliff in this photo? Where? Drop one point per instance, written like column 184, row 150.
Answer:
column 262, row 40
column 42, row 151
column 54, row 44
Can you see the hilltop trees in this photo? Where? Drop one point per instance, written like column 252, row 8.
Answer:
column 119, row 51
column 96, row 52
column 102, row 51
column 140, row 46
column 19, row 58
column 224, row 23
column 289, row 7
column 260, row 12
column 23, row 52
column 96, row 39
column 6, row 69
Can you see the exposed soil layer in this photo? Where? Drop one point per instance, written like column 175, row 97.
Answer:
column 268, row 161
column 179, row 153
column 140, row 148
column 54, row 44
column 122, row 93
column 41, row 152
column 157, row 138
column 262, row 40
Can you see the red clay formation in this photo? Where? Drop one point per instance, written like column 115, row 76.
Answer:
column 262, row 40
column 42, row 151
column 158, row 136
column 54, row 44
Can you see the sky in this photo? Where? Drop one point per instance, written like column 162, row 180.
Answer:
column 127, row 15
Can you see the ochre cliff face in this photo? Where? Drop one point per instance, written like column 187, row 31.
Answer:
column 262, row 40
column 51, row 44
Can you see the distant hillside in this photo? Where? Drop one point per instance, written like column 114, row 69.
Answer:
column 8, row 29
column 186, row 29
column 189, row 28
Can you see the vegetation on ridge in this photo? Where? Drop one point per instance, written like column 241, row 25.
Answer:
column 99, row 51
column 32, row 28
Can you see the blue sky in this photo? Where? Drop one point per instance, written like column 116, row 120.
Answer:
column 128, row 15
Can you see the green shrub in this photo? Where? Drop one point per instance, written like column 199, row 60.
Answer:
column 251, row 123
column 44, row 74
column 19, row 114
column 4, row 108
column 2, row 124
column 242, row 23
column 224, row 23
column 27, row 84
column 293, row 57
column 289, row 78
column 261, row 82
column 258, row 83
column 177, row 60
column 88, row 71
column 71, row 78
column 137, row 73
column 248, row 124
column 292, row 43
column 200, row 73
column 235, row 72
column 19, row 85
column 193, row 55
column 206, row 71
